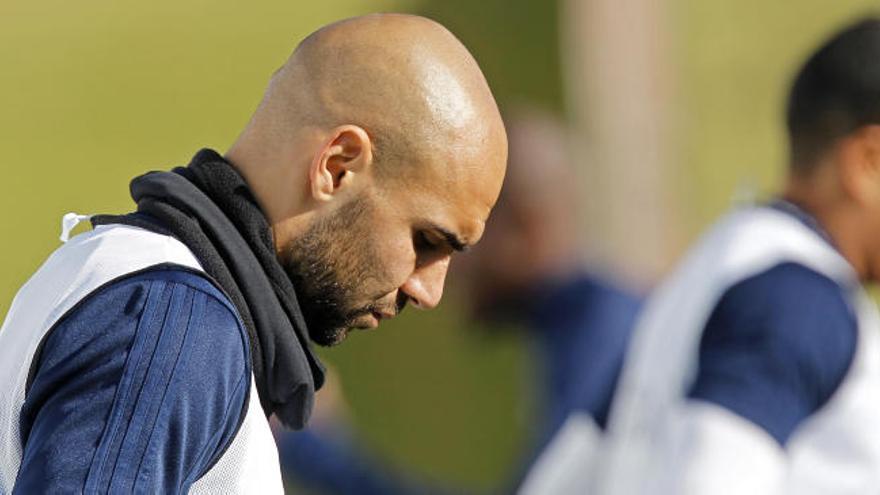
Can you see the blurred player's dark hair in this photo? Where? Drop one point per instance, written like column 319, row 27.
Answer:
column 835, row 93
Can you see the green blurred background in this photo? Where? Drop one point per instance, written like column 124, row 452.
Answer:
column 93, row 93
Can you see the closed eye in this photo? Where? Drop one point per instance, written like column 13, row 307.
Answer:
column 436, row 239
column 426, row 241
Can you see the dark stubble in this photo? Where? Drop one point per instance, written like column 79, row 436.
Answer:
column 328, row 265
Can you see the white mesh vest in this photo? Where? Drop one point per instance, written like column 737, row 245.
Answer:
column 835, row 451
column 87, row 262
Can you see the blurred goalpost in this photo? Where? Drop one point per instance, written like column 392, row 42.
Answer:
column 619, row 92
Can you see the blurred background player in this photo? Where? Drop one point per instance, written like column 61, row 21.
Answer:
column 528, row 270
column 531, row 270
column 756, row 365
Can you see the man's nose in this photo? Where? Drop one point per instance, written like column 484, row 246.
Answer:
column 425, row 286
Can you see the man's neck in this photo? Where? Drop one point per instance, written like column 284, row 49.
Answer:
column 833, row 216
column 274, row 183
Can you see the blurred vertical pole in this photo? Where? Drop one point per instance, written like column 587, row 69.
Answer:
column 618, row 85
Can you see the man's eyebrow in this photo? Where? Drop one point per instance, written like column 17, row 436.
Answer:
column 454, row 241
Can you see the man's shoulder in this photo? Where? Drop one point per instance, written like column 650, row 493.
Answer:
column 189, row 281
column 746, row 248
column 777, row 346
column 792, row 312
column 170, row 299
column 128, row 244
column 789, row 297
column 749, row 240
column 165, row 285
column 161, row 350
column 91, row 261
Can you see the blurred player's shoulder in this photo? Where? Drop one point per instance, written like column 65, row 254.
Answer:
column 750, row 239
column 764, row 332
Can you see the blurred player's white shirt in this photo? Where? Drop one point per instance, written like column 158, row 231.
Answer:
column 660, row 442
column 73, row 272
column 565, row 464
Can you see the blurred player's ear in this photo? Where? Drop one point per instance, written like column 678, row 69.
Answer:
column 859, row 165
column 871, row 137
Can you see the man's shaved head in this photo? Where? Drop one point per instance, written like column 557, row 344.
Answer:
column 405, row 79
column 376, row 152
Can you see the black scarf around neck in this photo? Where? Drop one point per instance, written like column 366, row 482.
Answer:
column 208, row 206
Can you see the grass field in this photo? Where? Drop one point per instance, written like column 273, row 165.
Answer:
column 95, row 92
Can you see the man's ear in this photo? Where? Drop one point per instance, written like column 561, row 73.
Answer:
column 860, row 165
column 345, row 157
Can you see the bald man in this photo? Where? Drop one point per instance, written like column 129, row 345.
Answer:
column 146, row 355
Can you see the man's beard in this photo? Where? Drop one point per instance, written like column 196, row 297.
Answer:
column 328, row 265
